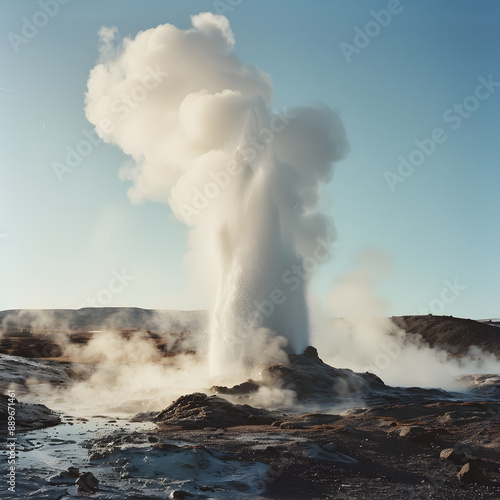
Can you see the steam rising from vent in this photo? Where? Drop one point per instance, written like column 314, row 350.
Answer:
column 203, row 137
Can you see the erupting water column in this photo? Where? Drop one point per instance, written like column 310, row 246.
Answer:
column 187, row 111
column 256, row 250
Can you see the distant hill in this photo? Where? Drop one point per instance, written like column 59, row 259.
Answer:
column 43, row 333
column 455, row 335
column 99, row 318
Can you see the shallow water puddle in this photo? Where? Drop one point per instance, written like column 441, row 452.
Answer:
column 128, row 461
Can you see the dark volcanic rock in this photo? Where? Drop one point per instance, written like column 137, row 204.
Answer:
column 455, row 456
column 27, row 416
column 471, row 473
column 419, row 434
column 309, row 377
column 313, row 380
column 87, row 482
column 245, row 388
column 197, row 411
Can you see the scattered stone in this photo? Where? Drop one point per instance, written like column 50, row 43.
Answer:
column 73, row 472
column 64, row 477
column 471, row 473
column 417, row 434
column 455, row 456
column 87, row 482
column 180, row 494
column 388, row 423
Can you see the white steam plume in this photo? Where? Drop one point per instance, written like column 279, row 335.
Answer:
column 202, row 135
column 363, row 338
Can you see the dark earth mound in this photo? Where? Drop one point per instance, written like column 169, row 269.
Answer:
column 312, row 380
column 197, row 411
column 456, row 335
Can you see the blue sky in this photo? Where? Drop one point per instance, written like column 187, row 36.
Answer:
column 61, row 242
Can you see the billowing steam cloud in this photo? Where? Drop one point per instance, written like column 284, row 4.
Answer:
column 367, row 340
column 200, row 129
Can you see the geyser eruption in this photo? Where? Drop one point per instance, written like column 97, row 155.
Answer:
column 203, row 137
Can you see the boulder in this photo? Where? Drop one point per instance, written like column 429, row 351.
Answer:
column 471, row 473
column 198, row 411
column 310, row 378
column 247, row 387
column 27, row 416
column 87, row 482
column 455, row 456
column 416, row 433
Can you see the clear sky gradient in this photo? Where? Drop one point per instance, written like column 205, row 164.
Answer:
column 61, row 241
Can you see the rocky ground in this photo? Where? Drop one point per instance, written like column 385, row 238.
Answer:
column 446, row 450
column 437, row 450
column 346, row 436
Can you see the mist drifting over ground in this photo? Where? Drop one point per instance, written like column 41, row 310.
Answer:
column 203, row 137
